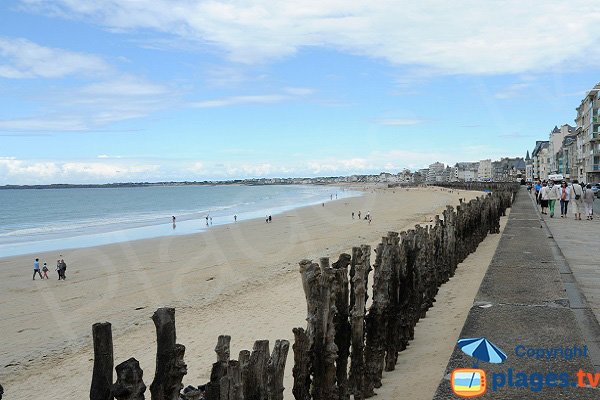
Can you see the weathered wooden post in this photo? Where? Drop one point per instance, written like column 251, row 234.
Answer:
column 219, row 368
column 130, row 383
column 231, row 382
column 276, row 369
column 376, row 320
column 255, row 378
column 103, row 362
column 302, row 365
column 170, row 367
column 341, row 323
column 358, row 297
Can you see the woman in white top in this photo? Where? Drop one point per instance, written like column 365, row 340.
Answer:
column 553, row 195
column 565, row 197
column 588, row 201
column 576, row 199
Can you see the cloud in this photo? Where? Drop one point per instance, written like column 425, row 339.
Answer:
column 511, row 91
column 25, row 59
column 399, row 121
column 471, row 37
column 95, row 105
column 17, row 171
column 235, row 100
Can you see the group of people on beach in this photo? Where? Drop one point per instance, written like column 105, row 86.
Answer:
column 61, row 268
column 576, row 197
column 367, row 216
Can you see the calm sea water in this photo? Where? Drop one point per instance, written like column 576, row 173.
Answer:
column 34, row 220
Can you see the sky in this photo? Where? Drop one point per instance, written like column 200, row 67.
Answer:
column 130, row 90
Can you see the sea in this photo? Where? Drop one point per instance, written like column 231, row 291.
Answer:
column 37, row 220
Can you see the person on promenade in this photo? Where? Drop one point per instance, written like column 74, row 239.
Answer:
column 577, row 199
column 36, row 268
column 588, row 201
column 45, row 271
column 565, row 197
column 543, row 198
column 537, row 187
column 553, row 193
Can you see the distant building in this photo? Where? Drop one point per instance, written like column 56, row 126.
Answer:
column 588, row 124
column 555, row 154
column 436, row 171
column 540, row 160
column 528, row 168
column 466, row 171
column 484, row 170
column 508, row 169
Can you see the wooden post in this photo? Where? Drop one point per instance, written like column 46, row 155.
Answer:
column 361, row 266
column 276, row 369
column 342, row 324
column 255, row 383
column 231, row 382
column 130, row 383
column 219, row 368
column 302, row 365
column 170, row 367
column 103, row 362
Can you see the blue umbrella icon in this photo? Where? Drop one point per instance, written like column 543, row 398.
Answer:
column 482, row 350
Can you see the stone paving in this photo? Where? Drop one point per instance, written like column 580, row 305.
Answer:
column 530, row 299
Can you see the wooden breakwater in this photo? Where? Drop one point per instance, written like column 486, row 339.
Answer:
column 345, row 347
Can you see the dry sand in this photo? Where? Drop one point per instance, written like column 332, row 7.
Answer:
column 240, row 279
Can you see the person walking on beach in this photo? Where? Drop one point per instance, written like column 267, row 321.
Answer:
column 45, row 271
column 577, row 199
column 63, row 269
column 36, row 268
column 588, row 201
column 359, row 215
column 235, row 218
column 553, row 195
column 207, row 220
column 58, row 269
column 352, row 214
column 565, row 197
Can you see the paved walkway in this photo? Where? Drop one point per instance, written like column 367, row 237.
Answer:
column 579, row 243
column 529, row 300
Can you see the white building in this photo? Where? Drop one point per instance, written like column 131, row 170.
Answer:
column 484, row 171
column 436, row 172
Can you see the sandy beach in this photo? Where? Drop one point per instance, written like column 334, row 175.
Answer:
column 239, row 279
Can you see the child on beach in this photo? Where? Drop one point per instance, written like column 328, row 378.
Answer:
column 45, row 271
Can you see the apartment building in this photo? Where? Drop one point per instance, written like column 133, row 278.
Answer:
column 555, row 142
column 540, row 160
column 588, row 140
column 484, row 170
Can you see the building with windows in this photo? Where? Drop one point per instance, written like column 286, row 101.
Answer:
column 540, row 159
column 484, row 170
column 588, row 124
column 436, row 172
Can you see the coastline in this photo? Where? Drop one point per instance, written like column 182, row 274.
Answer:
column 83, row 235
column 232, row 279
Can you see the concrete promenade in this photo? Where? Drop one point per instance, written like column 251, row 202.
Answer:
column 529, row 302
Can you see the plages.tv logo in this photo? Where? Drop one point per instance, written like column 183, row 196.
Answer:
column 472, row 382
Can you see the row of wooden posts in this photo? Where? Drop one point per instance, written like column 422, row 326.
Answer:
column 345, row 348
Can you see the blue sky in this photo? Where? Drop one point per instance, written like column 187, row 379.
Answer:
column 124, row 90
